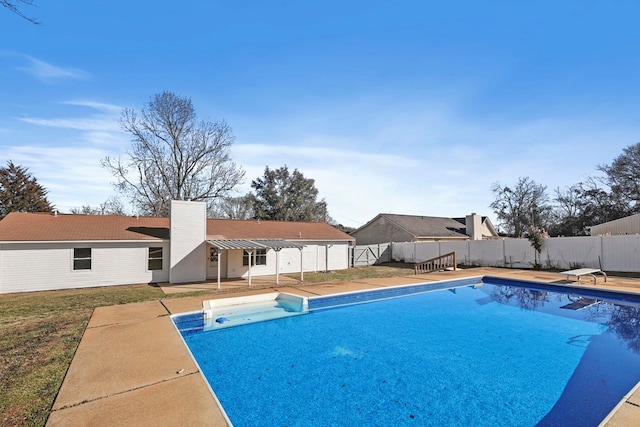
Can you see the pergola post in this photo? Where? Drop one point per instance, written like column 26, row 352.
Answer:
column 249, row 252
column 219, row 259
column 301, row 267
column 277, row 265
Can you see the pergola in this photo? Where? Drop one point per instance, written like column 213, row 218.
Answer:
column 251, row 245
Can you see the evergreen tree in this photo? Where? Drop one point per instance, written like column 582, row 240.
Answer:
column 284, row 196
column 20, row 192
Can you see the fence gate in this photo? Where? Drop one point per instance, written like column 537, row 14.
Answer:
column 362, row 256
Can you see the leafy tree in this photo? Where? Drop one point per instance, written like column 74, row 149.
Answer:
column 15, row 7
column 284, row 196
column 520, row 207
column 20, row 192
column 173, row 156
column 622, row 176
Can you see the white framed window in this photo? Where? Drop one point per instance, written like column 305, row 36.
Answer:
column 155, row 258
column 82, row 258
column 259, row 257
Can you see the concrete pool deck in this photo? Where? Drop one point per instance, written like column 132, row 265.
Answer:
column 132, row 368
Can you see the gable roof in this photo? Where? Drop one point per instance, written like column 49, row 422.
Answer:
column 422, row 227
column 429, row 226
column 258, row 229
column 20, row 226
column 44, row 227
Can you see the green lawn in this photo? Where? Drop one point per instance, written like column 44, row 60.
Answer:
column 40, row 331
column 385, row 270
column 39, row 334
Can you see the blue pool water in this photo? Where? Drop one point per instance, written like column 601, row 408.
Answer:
column 497, row 354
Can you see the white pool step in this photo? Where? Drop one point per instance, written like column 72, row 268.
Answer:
column 228, row 312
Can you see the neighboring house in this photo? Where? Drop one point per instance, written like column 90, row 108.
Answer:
column 41, row 251
column 618, row 227
column 415, row 228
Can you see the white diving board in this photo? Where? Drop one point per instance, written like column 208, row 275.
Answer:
column 585, row 272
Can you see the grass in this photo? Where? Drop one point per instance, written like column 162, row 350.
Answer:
column 385, row 270
column 40, row 332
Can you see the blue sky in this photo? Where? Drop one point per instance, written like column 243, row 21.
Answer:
column 408, row 107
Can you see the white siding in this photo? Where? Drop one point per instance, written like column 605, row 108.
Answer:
column 618, row 227
column 289, row 260
column 310, row 258
column 47, row 266
column 381, row 231
column 188, row 261
column 314, row 258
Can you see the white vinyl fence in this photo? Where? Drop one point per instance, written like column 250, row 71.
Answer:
column 610, row 253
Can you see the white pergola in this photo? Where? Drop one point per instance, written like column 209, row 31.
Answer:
column 250, row 245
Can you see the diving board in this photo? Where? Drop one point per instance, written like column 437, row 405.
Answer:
column 585, row 272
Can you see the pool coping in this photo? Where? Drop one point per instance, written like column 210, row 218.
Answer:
column 132, row 365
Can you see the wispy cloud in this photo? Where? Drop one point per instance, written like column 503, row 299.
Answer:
column 48, row 73
column 72, row 175
column 64, row 153
column 101, row 106
column 427, row 159
column 101, row 123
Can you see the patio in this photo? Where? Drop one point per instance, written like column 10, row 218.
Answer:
column 132, row 367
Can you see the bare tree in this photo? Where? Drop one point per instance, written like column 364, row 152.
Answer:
column 232, row 208
column 173, row 156
column 522, row 206
column 585, row 204
column 622, row 176
column 112, row 206
column 15, row 7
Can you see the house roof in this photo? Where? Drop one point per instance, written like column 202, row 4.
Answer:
column 429, row 226
column 258, row 229
column 421, row 226
column 23, row 227
column 20, row 226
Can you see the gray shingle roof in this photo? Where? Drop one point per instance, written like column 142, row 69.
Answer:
column 428, row 226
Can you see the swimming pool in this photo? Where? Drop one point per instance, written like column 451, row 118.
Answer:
column 493, row 353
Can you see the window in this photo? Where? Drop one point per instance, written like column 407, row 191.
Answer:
column 259, row 257
column 82, row 258
column 155, row 259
